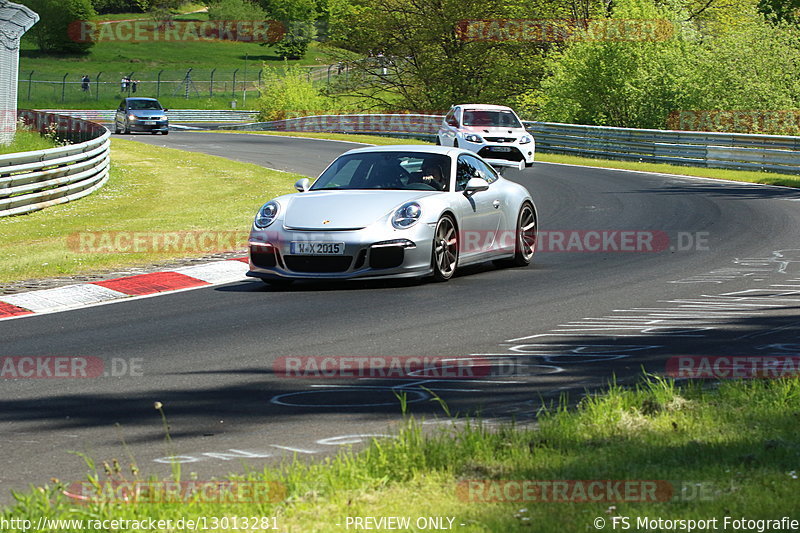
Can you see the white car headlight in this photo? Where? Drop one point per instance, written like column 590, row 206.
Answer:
column 266, row 215
column 525, row 139
column 406, row 215
column 471, row 137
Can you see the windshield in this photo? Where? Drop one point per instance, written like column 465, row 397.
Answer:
column 501, row 119
column 143, row 104
column 387, row 170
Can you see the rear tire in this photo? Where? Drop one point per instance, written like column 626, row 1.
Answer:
column 166, row 132
column 527, row 232
column 445, row 249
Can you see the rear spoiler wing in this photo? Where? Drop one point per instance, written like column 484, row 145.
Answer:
column 499, row 164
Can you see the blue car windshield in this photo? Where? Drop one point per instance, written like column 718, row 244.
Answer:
column 387, row 170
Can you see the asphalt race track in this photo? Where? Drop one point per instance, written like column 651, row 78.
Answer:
column 727, row 282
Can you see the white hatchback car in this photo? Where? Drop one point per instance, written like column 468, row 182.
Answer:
column 491, row 131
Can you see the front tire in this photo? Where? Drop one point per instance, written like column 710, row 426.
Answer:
column 445, row 249
column 127, row 129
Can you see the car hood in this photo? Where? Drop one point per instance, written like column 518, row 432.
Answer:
column 147, row 113
column 493, row 131
column 343, row 210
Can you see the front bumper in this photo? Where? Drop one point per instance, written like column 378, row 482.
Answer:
column 508, row 151
column 142, row 125
column 400, row 253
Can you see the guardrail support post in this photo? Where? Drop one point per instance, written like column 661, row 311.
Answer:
column 233, row 87
column 158, row 83
column 211, row 87
column 64, row 86
column 97, row 85
column 30, row 81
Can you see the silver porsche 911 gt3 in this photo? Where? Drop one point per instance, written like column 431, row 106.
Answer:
column 395, row 211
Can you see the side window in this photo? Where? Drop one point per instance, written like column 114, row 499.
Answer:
column 465, row 169
column 485, row 171
column 471, row 167
column 450, row 118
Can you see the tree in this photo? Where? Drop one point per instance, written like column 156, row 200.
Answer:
column 53, row 31
column 423, row 54
column 298, row 18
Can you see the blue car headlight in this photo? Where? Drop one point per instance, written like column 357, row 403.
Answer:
column 471, row 137
column 406, row 215
column 266, row 215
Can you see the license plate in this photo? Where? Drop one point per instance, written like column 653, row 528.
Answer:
column 499, row 148
column 317, row 248
column 149, row 122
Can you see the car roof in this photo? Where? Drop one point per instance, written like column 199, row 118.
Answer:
column 419, row 148
column 485, row 107
column 140, row 98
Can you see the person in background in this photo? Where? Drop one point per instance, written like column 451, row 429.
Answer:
column 85, row 83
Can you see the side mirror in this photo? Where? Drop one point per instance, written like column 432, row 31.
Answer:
column 165, row 110
column 302, row 185
column 476, row 185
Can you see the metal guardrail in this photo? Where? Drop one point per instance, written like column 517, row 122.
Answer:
column 174, row 115
column 34, row 180
column 396, row 125
column 739, row 151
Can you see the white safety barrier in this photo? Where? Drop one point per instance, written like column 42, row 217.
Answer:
column 30, row 181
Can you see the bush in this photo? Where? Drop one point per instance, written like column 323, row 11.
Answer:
column 291, row 95
column 52, row 32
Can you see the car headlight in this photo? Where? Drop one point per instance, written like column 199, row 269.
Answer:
column 132, row 117
column 406, row 215
column 525, row 139
column 266, row 215
column 473, row 138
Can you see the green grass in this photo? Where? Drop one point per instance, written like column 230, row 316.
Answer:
column 113, row 59
column 26, row 141
column 733, row 451
column 150, row 189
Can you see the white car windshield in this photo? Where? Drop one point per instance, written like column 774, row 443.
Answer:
column 387, row 170
column 500, row 119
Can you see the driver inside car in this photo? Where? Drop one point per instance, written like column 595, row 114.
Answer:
column 432, row 175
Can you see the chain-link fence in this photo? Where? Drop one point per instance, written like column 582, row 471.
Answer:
column 84, row 86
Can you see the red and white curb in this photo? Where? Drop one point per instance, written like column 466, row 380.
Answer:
column 141, row 285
